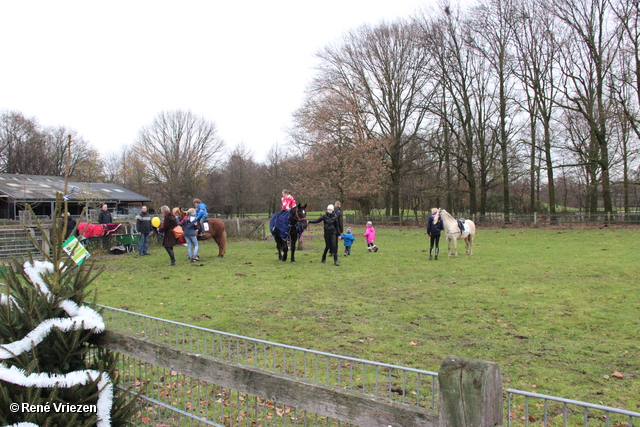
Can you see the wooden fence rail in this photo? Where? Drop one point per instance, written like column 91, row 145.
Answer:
column 470, row 390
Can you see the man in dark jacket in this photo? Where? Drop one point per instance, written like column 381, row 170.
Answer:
column 332, row 229
column 143, row 225
column 104, row 217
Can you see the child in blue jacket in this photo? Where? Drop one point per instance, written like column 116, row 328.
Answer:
column 348, row 239
column 201, row 215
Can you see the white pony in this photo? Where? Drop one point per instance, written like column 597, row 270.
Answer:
column 454, row 234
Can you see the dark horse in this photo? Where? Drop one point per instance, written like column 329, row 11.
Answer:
column 287, row 227
column 216, row 231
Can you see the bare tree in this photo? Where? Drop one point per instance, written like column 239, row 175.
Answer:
column 91, row 169
column 180, row 149
column 275, row 178
column 538, row 50
column 385, row 69
column 493, row 39
column 628, row 151
column 627, row 86
column 27, row 148
column 113, row 163
column 23, row 144
column 590, row 46
column 57, row 146
column 126, row 167
column 241, row 180
column 340, row 155
column 460, row 73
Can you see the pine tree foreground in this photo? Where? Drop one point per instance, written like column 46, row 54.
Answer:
column 49, row 373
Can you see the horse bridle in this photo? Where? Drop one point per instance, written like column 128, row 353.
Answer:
column 299, row 220
column 297, row 215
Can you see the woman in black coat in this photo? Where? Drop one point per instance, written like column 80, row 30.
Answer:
column 434, row 227
column 169, row 240
column 332, row 229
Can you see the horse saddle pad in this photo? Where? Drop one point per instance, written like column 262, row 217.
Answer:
column 462, row 225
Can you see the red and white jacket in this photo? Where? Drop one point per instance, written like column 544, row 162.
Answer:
column 288, row 202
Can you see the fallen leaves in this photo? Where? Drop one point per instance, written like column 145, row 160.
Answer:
column 615, row 374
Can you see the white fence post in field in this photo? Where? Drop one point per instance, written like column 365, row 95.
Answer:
column 470, row 393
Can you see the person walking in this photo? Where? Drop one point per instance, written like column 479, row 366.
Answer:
column 143, row 225
column 347, row 239
column 435, row 225
column 169, row 240
column 370, row 235
column 338, row 212
column 332, row 229
column 190, row 226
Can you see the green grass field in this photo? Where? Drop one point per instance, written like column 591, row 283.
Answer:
column 559, row 310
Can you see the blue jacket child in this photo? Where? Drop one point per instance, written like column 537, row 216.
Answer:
column 201, row 214
column 348, row 239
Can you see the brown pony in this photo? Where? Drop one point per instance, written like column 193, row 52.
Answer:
column 216, row 231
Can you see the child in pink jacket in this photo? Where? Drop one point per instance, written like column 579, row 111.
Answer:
column 370, row 235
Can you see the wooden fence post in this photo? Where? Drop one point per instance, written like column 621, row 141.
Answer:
column 470, row 393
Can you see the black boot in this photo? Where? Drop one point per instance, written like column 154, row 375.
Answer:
column 335, row 261
column 171, row 256
column 437, row 251
column 430, row 254
column 324, row 259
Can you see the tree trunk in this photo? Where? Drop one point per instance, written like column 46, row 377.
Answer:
column 549, row 163
column 532, row 165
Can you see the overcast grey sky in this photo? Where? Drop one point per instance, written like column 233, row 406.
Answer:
column 106, row 69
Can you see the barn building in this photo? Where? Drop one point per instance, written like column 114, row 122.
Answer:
column 40, row 192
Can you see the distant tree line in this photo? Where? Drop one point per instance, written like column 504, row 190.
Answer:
column 508, row 106
column 504, row 106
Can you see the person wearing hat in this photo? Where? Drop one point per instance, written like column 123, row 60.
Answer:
column 370, row 235
column 332, row 229
column 348, row 239
column 338, row 211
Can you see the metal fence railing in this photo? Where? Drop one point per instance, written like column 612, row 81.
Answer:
column 525, row 408
column 515, row 220
column 169, row 398
column 385, row 381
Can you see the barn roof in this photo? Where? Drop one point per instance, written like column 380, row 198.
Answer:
column 44, row 188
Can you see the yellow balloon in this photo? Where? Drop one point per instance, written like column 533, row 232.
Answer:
column 155, row 221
